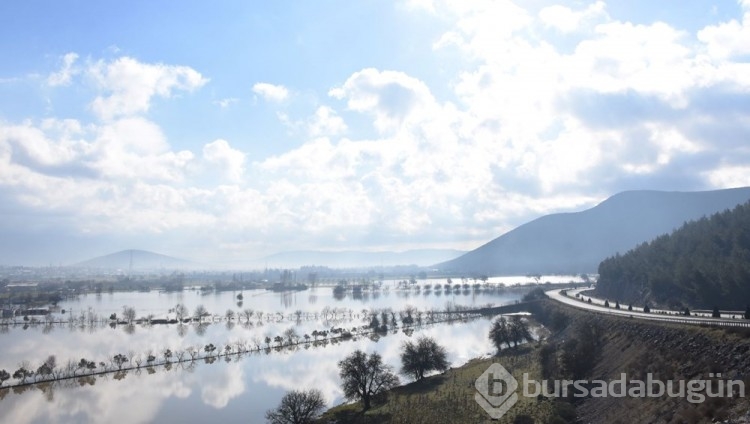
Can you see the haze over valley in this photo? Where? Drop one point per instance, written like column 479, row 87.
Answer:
column 317, row 212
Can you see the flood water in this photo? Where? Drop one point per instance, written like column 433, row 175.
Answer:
column 239, row 388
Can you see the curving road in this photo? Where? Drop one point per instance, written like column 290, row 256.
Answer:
column 596, row 306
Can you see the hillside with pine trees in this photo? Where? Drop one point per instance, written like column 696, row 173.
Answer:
column 703, row 264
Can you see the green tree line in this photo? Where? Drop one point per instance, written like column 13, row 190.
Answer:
column 703, row 264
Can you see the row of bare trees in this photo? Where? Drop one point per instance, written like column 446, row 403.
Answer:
column 290, row 338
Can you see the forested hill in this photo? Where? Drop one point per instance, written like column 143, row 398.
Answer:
column 704, row 263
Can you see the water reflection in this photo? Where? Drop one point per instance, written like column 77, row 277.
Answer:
column 228, row 389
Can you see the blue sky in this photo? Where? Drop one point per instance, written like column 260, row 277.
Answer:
column 227, row 133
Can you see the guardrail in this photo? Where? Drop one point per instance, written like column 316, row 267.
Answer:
column 657, row 317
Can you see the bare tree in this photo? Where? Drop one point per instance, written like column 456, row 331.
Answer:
column 500, row 333
column 519, row 330
column 291, row 336
column 128, row 314
column 297, row 407
column 119, row 360
column 423, row 356
column 193, row 352
column 364, row 377
column 181, row 312
column 248, row 314
column 200, row 312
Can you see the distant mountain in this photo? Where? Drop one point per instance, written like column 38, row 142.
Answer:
column 705, row 263
column 136, row 260
column 578, row 242
column 356, row 259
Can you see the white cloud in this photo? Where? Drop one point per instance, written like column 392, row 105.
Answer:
column 567, row 20
column 271, row 92
column 393, row 98
column 533, row 126
column 729, row 176
column 229, row 160
column 728, row 39
column 65, row 75
column 128, row 85
column 225, row 103
column 325, row 121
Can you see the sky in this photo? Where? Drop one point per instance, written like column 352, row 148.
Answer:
column 223, row 132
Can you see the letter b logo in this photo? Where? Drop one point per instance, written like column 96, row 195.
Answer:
column 496, row 391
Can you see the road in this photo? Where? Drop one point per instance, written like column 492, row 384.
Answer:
column 596, row 306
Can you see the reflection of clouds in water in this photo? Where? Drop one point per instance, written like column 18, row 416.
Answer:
column 318, row 368
column 219, row 387
column 311, row 300
column 251, row 385
column 34, row 345
column 135, row 399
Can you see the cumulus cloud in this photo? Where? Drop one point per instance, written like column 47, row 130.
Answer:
column 229, row 160
column 271, row 92
column 567, row 20
column 393, row 98
column 128, row 86
column 728, row 39
column 530, row 125
column 326, row 121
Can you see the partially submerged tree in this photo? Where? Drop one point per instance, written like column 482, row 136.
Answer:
column 200, row 312
column 422, row 356
column 128, row 313
column 363, row 377
column 181, row 312
column 120, row 360
column 297, row 407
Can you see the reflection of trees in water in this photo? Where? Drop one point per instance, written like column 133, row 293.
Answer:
column 287, row 299
column 185, row 358
column 200, row 328
column 88, row 320
column 182, row 330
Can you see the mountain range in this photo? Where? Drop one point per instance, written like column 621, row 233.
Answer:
column 571, row 243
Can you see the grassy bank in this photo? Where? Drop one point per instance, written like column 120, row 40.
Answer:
column 586, row 346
